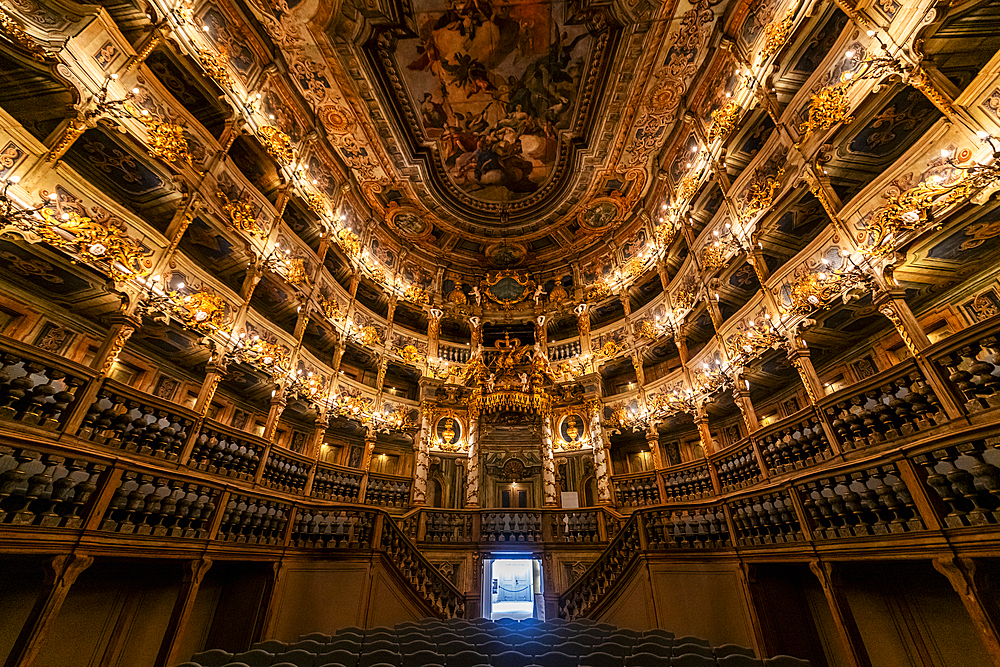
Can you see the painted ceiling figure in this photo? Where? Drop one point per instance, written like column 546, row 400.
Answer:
column 495, row 85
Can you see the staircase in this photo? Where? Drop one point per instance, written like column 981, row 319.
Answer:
column 483, row 643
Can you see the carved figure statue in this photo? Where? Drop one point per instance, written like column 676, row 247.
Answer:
column 539, row 293
column 491, row 382
column 477, row 295
column 524, row 382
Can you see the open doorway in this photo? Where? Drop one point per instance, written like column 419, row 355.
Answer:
column 513, row 588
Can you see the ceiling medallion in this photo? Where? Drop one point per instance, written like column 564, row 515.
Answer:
column 506, row 254
column 602, row 213
column 408, row 222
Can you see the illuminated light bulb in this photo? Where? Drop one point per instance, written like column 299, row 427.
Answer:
column 114, row 77
column 180, row 285
column 849, row 54
column 65, row 216
column 135, row 91
column 821, row 275
column 945, row 152
column 982, row 134
column 15, row 179
column 205, row 28
column 848, row 75
column 871, row 33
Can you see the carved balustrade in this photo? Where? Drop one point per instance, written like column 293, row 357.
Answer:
column 965, row 479
column 795, row 442
column 972, row 358
column 251, row 519
column 737, row 467
column 765, row 519
column 453, row 354
column 890, row 405
column 226, row 451
column 147, row 504
column 37, row 389
column 286, row 471
column 335, row 483
column 122, row 418
column 449, row 527
column 686, row 528
column 686, row 482
column 603, row 574
column 512, row 526
column 333, row 529
column 387, row 491
column 575, row 526
column 637, row 490
column 870, row 501
column 426, row 579
column 43, row 489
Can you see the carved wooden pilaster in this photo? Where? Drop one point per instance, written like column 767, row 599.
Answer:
column 979, row 600
column 61, row 573
column 194, row 573
column 843, row 618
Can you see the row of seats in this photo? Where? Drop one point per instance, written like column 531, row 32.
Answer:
column 483, row 643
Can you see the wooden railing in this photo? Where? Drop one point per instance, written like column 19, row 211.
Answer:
column 110, row 502
column 581, row 526
column 926, row 490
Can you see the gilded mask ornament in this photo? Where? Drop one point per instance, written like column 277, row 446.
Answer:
column 369, row 336
column 166, row 141
column 203, row 310
column 761, row 195
column 350, row 242
column 277, row 143
column 108, row 247
column 724, row 121
column 411, row 355
column 331, row 308
column 775, row 35
column 216, row 66
column 242, row 214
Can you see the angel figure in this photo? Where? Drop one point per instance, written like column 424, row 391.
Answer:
column 491, row 382
column 478, row 295
column 524, row 382
column 539, row 293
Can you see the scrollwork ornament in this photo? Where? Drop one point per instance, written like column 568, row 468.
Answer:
column 116, row 347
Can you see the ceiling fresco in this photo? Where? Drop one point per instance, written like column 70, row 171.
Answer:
column 495, row 86
column 503, row 134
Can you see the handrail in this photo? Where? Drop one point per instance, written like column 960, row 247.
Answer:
column 923, row 488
